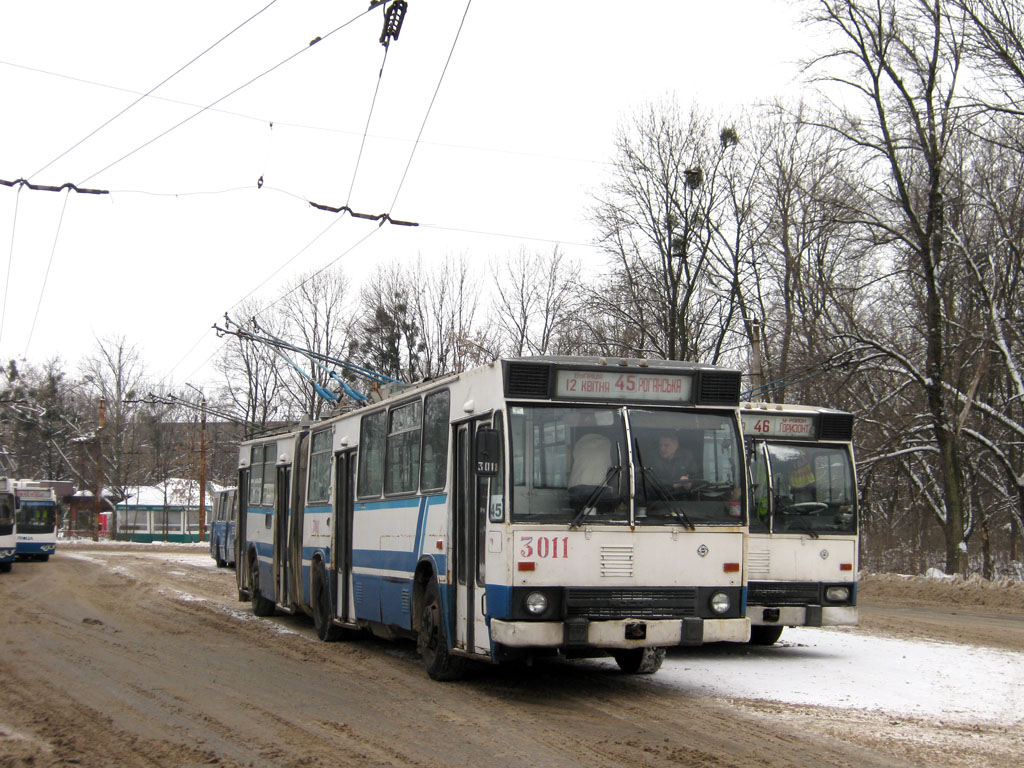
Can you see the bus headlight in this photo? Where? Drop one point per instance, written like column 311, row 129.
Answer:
column 837, row 594
column 536, row 603
column 720, row 602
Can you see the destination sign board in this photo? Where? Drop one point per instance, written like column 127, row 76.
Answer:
column 778, row 425
column 624, row 385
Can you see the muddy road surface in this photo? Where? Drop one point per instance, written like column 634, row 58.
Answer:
column 142, row 656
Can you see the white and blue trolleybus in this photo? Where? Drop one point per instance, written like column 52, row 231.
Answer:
column 8, row 540
column 533, row 506
column 223, row 527
column 802, row 552
column 35, row 518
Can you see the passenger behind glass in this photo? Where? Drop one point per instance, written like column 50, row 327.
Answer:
column 592, row 462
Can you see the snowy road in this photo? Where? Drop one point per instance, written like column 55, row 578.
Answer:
column 143, row 656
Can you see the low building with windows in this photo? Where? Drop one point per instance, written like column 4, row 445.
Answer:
column 164, row 512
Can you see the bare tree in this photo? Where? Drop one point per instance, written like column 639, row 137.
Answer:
column 536, row 300
column 902, row 61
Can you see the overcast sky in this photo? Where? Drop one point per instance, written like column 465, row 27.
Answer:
column 516, row 143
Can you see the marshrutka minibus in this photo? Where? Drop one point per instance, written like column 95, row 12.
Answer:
column 8, row 542
column 35, row 518
column 516, row 510
column 802, row 552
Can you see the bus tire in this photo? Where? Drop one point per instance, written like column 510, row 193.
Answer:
column 433, row 639
column 261, row 606
column 765, row 634
column 5, row 567
column 323, row 606
column 44, row 558
column 639, row 661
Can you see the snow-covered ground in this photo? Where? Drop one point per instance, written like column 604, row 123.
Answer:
column 848, row 669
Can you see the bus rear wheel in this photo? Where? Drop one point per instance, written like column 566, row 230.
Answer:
column 765, row 634
column 5, row 567
column 433, row 640
column 261, row 606
column 640, row 661
column 323, row 606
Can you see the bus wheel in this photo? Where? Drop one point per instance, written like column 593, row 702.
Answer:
column 216, row 556
column 260, row 605
column 763, row 634
column 323, row 608
column 44, row 558
column 433, row 640
column 640, row 661
column 5, row 567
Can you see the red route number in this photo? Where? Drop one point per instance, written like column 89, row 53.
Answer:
column 544, row 547
column 762, row 425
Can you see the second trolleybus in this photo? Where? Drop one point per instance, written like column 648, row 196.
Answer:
column 514, row 510
column 35, row 518
column 802, row 553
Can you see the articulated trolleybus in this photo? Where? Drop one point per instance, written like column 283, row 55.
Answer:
column 527, row 507
column 7, row 536
column 802, row 551
column 35, row 518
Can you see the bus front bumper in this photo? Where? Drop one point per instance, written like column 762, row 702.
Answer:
column 803, row 615
column 621, row 633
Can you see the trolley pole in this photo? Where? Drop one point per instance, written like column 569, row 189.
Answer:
column 99, row 472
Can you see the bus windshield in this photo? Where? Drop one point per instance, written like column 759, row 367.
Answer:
column 36, row 517
column 811, row 489
column 576, row 465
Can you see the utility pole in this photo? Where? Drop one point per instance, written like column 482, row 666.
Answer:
column 99, row 472
column 202, row 471
column 202, row 462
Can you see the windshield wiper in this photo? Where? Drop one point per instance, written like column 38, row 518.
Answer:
column 598, row 490
column 646, row 472
column 796, row 521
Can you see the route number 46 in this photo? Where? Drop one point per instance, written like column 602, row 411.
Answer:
column 544, row 547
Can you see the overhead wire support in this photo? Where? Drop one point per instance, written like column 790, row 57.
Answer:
column 394, row 14
column 48, row 188
column 383, row 218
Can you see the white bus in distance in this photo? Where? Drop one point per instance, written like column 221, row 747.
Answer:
column 515, row 510
column 35, row 518
column 8, row 540
column 802, row 552
column 223, row 527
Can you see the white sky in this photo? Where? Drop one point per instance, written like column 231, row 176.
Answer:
column 515, row 145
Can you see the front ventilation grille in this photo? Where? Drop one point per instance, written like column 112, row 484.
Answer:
column 610, row 604
column 617, row 561
column 836, row 426
column 719, row 388
column 528, row 380
column 783, row 593
column 758, row 564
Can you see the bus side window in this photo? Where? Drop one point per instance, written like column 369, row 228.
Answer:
column 435, row 440
column 371, row 455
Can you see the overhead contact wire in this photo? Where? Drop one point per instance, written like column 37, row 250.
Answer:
column 151, row 90
column 46, row 277
column 231, row 93
column 431, row 105
column 10, row 259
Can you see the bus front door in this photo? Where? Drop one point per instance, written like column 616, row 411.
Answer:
column 344, row 503
column 470, row 549
column 282, row 515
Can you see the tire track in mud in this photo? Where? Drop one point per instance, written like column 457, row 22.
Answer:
column 132, row 659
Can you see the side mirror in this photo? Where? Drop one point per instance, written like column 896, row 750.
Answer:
column 488, row 452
